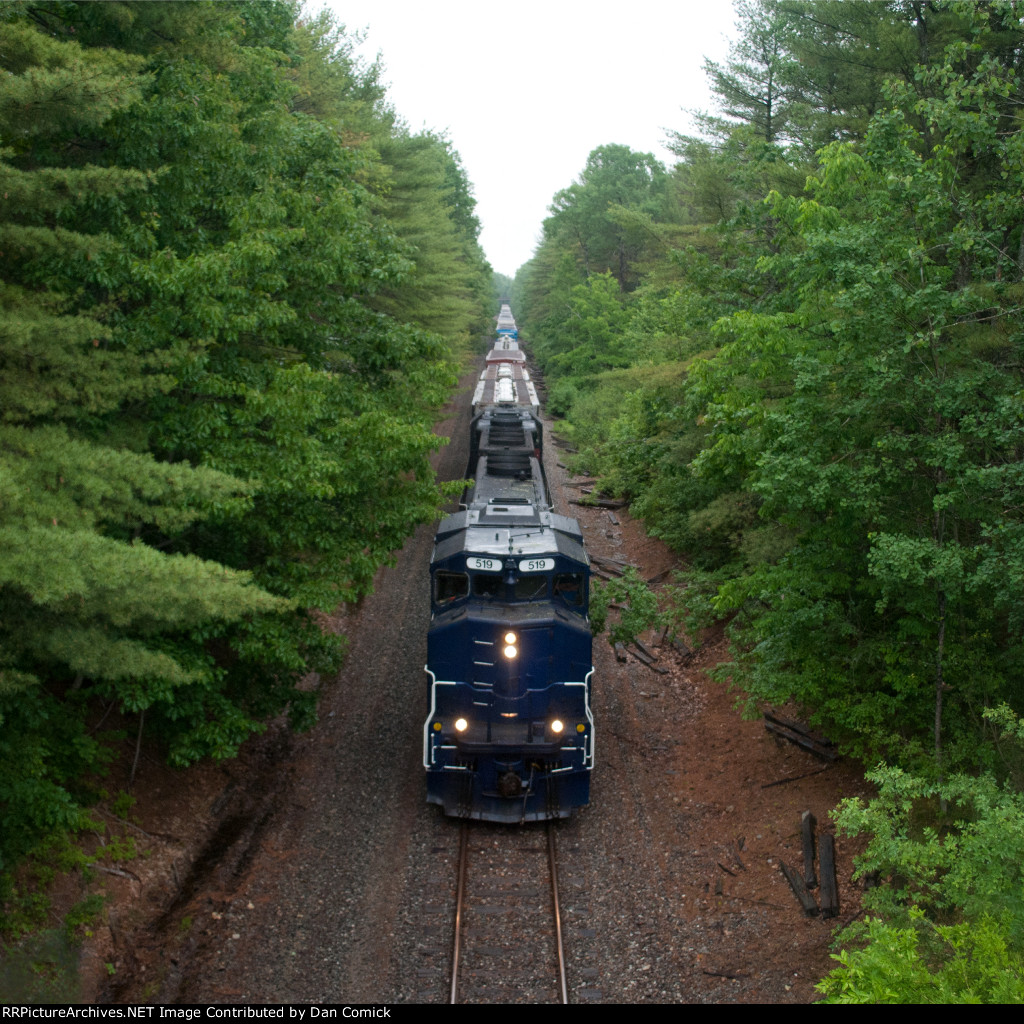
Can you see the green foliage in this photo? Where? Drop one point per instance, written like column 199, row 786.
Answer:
column 970, row 860
column 949, row 926
column 591, row 216
column 561, row 397
column 966, row 963
column 810, row 384
column 585, row 339
column 25, row 888
column 809, row 381
column 122, row 804
column 227, row 325
column 83, row 913
column 40, row 969
column 756, row 84
column 429, row 201
column 638, row 603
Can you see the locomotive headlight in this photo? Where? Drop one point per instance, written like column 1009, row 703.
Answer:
column 557, row 726
column 511, row 650
column 461, row 725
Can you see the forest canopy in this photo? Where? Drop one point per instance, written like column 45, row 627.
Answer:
column 798, row 353
column 235, row 287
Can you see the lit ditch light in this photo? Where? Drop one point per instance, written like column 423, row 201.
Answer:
column 557, row 725
column 511, row 651
column 461, row 725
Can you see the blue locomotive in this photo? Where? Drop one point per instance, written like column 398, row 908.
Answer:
column 509, row 734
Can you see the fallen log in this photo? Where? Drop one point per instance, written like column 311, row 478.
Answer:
column 608, row 560
column 645, row 660
column 603, row 566
column 659, row 577
column 641, row 646
column 801, row 740
column 598, row 503
column 807, row 826
column 681, row 648
column 796, row 883
column 794, row 778
column 763, row 903
column 737, row 859
column 731, row 975
column 613, row 519
column 799, row 727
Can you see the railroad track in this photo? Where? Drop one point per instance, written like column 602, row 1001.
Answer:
column 508, row 929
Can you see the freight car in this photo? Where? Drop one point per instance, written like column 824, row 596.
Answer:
column 507, row 324
column 509, row 734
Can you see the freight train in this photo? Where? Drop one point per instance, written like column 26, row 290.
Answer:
column 507, row 324
column 509, row 734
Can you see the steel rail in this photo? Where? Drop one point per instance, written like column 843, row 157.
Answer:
column 460, row 901
column 553, row 866
column 460, row 893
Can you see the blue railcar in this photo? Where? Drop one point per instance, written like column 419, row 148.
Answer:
column 509, row 734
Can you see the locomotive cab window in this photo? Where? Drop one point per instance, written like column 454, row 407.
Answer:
column 450, row 586
column 569, row 587
column 531, row 588
column 487, row 585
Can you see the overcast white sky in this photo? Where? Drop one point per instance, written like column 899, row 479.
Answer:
column 526, row 89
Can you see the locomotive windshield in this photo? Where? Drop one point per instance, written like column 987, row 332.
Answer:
column 450, row 586
column 488, row 585
column 531, row 588
column 569, row 588
column 497, row 587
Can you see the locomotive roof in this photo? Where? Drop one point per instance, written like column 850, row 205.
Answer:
column 488, row 530
column 506, row 355
column 505, row 496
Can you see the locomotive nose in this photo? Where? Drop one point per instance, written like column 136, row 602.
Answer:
column 510, row 785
